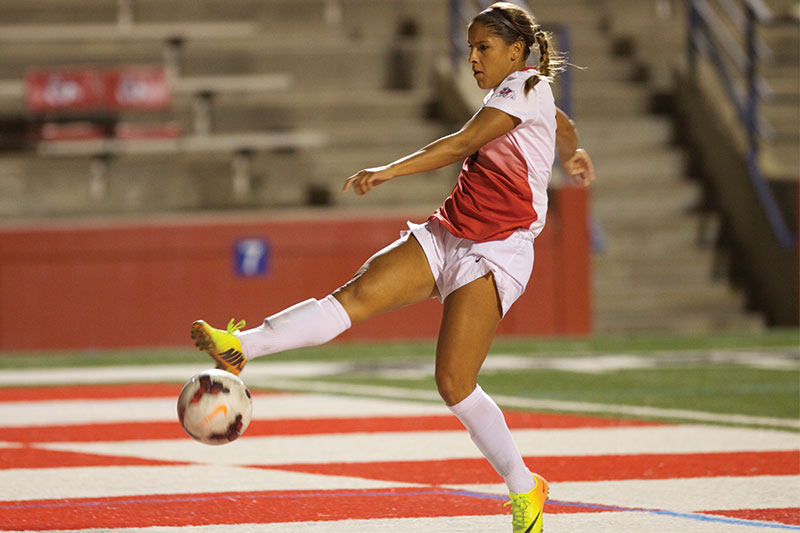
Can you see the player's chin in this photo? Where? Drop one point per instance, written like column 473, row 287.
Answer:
column 480, row 80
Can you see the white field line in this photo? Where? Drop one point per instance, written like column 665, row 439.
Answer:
column 417, row 368
column 606, row 363
column 679, row 495
column 100, row 481
column 265, row 407
column 159, row 373
column 535, row 404
column 66, row 412
column 437, row 445
column 270, row 375
column 619, row 522
column 671, row 438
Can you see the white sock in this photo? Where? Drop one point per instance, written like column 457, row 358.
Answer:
column 308, row 323
column 487, row 428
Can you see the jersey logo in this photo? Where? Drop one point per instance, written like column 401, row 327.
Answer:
column 506, row 92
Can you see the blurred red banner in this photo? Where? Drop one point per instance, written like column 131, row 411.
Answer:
column 136, row 88
column 60, row 90
column 86, row 89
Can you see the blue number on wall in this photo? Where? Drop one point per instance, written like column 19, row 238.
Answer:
column 252, row 257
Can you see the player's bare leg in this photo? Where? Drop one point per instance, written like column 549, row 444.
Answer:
column 395, row 277
column 469, row 321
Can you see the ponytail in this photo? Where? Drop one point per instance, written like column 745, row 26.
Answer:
column 551, row 61
column 546, row 66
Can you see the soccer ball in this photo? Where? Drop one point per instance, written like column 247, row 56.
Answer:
column 214, row 407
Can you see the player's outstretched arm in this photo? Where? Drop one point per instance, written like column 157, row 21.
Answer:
column 575, row 161
column 485, row 126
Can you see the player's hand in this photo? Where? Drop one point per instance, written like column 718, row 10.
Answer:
column 580, row 167
column 365, row 180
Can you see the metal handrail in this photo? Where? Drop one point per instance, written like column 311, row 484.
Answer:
column 745, row 88
column 738, row 17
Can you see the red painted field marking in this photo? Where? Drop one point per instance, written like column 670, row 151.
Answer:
column 98, row 392
column 251, row 507
column 788, row 516
column 288, row 506
column 568, row 468
column 315, row 426
column 95, row 432
column 26, row 457
column 90, row 392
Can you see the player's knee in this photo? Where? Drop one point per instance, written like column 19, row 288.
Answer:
column 453, row 387
column 356, row 300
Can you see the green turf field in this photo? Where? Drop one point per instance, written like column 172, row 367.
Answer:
column 754, row 374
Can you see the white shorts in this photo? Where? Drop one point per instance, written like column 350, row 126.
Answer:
column 455, row 261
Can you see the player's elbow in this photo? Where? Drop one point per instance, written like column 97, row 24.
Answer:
column 463, row 152
column 464, row 145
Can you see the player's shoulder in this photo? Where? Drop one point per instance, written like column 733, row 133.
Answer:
column 513, row 85
column 519, row 77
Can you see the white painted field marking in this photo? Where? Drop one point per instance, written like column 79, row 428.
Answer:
column 691, row 494
column 275, row 374
column 619, row 522
column 64, row 412
column 680, row 495
column 265, row 406
column 434, row 445
column 646, row 412
column 670, row 495
column 16, row 414
column 458, row 524
column 660, row 522
column 607, row 363
column 412, row 367
column 534, row 404
column 162, row 373
column 96, row 481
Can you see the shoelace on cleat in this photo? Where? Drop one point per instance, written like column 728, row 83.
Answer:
column 519, row 505
column 233, row 328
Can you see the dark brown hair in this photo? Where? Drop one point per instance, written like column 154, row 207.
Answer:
column 512, row 23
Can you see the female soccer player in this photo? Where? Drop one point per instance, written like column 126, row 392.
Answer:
column 475, row 253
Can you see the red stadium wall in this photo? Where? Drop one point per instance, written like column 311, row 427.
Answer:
column 142, row 285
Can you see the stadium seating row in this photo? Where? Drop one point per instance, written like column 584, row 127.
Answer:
column 241, row 94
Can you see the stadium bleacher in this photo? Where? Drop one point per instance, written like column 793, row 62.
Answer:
column 244, row 79
column 274, row 103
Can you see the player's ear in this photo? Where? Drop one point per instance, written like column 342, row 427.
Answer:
column 516, row 50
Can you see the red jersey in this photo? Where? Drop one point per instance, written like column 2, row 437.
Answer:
column 503, row 186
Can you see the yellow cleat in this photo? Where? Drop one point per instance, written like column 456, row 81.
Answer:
column 527, row 508
column 222, row 346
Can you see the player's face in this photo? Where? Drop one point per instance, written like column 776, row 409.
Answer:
column 491, row 58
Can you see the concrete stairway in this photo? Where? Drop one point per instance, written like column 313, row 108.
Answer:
column 346, row 62
column 781, row 154
column 655, row 270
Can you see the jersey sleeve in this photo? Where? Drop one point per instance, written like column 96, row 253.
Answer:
column 510, row 98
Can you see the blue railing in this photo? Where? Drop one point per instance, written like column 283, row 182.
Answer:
column 736, row 55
